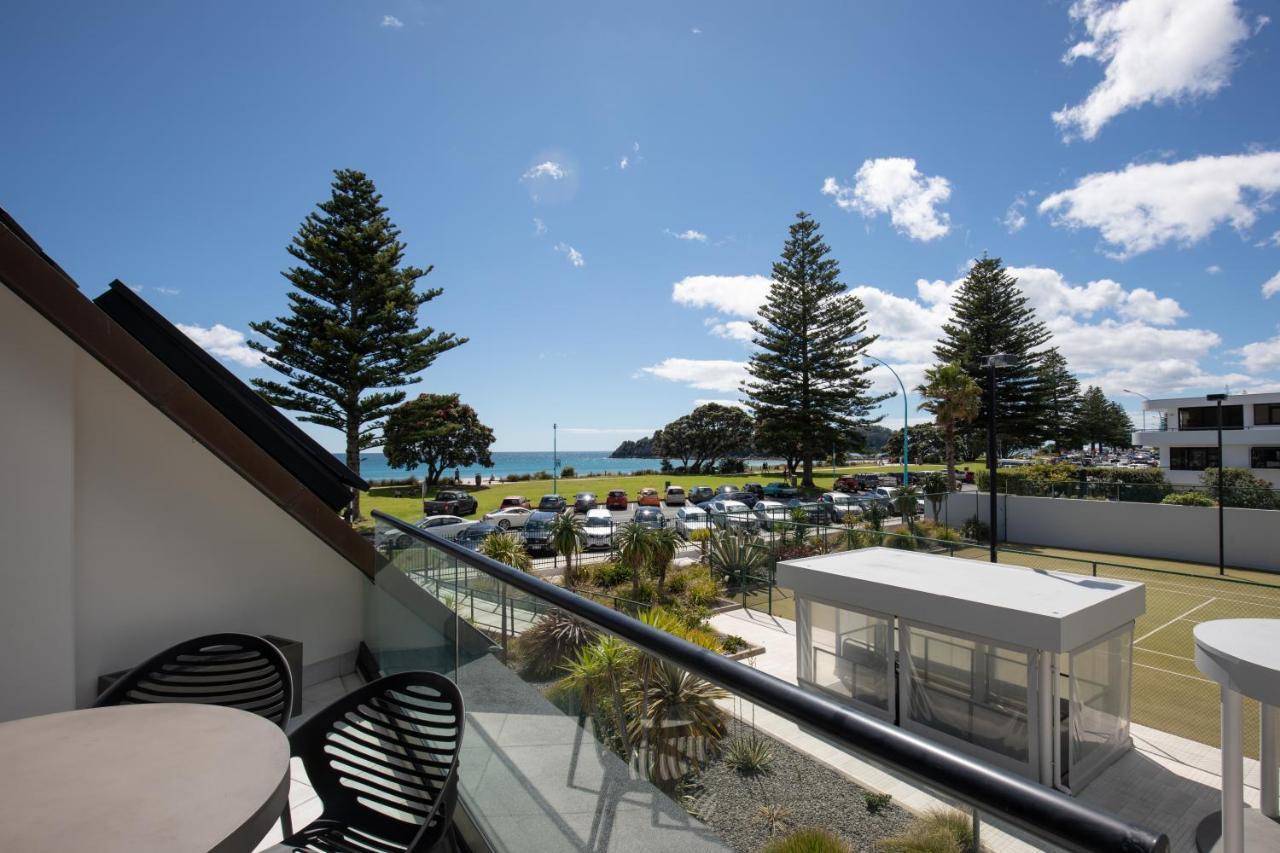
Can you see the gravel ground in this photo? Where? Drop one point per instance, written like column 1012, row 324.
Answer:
column 813, row 794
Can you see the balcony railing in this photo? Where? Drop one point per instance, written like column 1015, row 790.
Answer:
column 480, row 640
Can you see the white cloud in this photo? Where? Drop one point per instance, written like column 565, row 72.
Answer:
column 392, row 21
column 624, row 162
column 225, row 343
column 1213, row 269
column 167, row 291
column 1148, row 205
column 737, row 404
column 1271, row 286
column 688, row 234
column 539, row 227
column 1015, row 218
column 894, row 185
column 697, row 31
column 547, row 169
column 739, row 295
column 1262, row 356
column 703, row 374
column 1154, row 52
column 737, row 330
column 574, row 256
column 1273, row 240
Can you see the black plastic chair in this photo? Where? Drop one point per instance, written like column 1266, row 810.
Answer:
column 237, row 670
column 384, row 761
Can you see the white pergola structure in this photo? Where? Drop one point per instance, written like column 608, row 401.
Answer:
column 1030, row 670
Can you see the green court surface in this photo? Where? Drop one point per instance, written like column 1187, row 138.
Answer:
column 1169, row 693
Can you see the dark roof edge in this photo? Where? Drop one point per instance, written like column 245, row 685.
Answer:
column 43, row 285
column 278, row 435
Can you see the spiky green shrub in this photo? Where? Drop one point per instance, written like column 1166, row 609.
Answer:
column 506, row 549
column 808, row 841
column 1188, row 499
column 545, row 646
column 610, row 574
column 876, row 802
column 750, row 754
column 702, row 591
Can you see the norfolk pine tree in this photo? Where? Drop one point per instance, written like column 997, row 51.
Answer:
column 1062, row 400
column 352, row 326
column 990, row 315
column 807, row 384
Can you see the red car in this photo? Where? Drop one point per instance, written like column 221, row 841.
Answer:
column 649, row 497
column 515, row 500
column 617, row 499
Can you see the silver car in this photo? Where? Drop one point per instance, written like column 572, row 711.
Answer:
column 768, row 513
column 509, row 518
column 691, row 519
column 840, row 504
column 733, row 514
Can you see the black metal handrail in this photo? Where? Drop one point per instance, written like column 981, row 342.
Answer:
column 1041, row 811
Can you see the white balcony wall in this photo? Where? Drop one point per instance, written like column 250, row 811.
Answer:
column 121, row 534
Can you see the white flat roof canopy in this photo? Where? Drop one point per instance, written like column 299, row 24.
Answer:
column 1054, row 611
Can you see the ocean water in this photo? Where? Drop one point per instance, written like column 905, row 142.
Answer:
column 374, row 465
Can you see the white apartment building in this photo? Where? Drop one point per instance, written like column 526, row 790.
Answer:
column 1186, row 434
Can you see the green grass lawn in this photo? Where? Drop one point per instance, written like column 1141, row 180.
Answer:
column 410, row 509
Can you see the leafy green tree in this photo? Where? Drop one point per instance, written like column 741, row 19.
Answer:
column 991, row 315
column 633, row 543
column 926, row 444
column 438, row 431
column 952, row 397
column 568, row 539
column 1062, row 401
column 806, row 378
column 1240, row 488
column 664, row 543
column 935, row 485
column 1101, row 422
column 709, row 434
column 352, row 328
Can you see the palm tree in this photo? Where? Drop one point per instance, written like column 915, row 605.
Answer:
column 506, row 549
column 633, row 545
column 663, row 545
column 568, row 538
column 952, row 397
column 602, row 669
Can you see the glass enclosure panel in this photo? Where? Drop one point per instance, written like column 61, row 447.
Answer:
column 1100, row 690
column 847, row 652
column 974, row 691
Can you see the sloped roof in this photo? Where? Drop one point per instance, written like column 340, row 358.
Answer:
column 280, row 461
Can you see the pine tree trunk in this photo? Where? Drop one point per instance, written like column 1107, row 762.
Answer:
column 950, row 434
column 353, row 462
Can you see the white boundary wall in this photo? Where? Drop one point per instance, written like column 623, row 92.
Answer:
column 121, row 535
column 1188, row 533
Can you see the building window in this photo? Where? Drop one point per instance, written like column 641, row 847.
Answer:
column 1192, row 458
column 1206, row 417
column 1264, row 457
column 1266, row 414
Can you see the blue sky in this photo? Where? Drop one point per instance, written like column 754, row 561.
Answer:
column 1124, row 157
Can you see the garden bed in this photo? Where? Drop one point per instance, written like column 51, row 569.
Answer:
column 796, row 792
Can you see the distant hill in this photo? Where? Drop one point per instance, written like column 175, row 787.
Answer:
column 876, row 436
column 641, row 448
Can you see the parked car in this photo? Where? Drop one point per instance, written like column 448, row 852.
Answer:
column 509, row 517
column 742, row 497
column 674, row 497
column 755, row 489
column 650, row 516
column 726, row 488
column 769, row 512
column 536, row 534
column 840, row 504
column 701, row 494
column 731, row 514
column 552, row 503
column 598, row 529
column 690, row 519
column 471, row 537
column 891, row 496
column 446, row 526
column 450, row 502
column 815, row 513
column 780, row 491
column 616, row 499
column 649, row 497
column 515, row 500
column 851, row 483
column 584, row 502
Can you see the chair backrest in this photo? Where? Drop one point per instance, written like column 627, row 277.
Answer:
column 384, row 758
column 237, row 670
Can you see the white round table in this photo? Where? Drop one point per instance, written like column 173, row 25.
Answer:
column 170, row 777
column 1243, row 656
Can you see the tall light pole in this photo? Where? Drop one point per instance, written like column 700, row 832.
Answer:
column 1222, row 560
column 906, row 412
column 991, row 362
column 1144, row 408
column 555, row 458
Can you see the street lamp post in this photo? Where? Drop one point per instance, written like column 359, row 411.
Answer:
column 1144, row 408
column 991, row 362
column 906, row 412
column 1222, row 560
column 555, row 459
